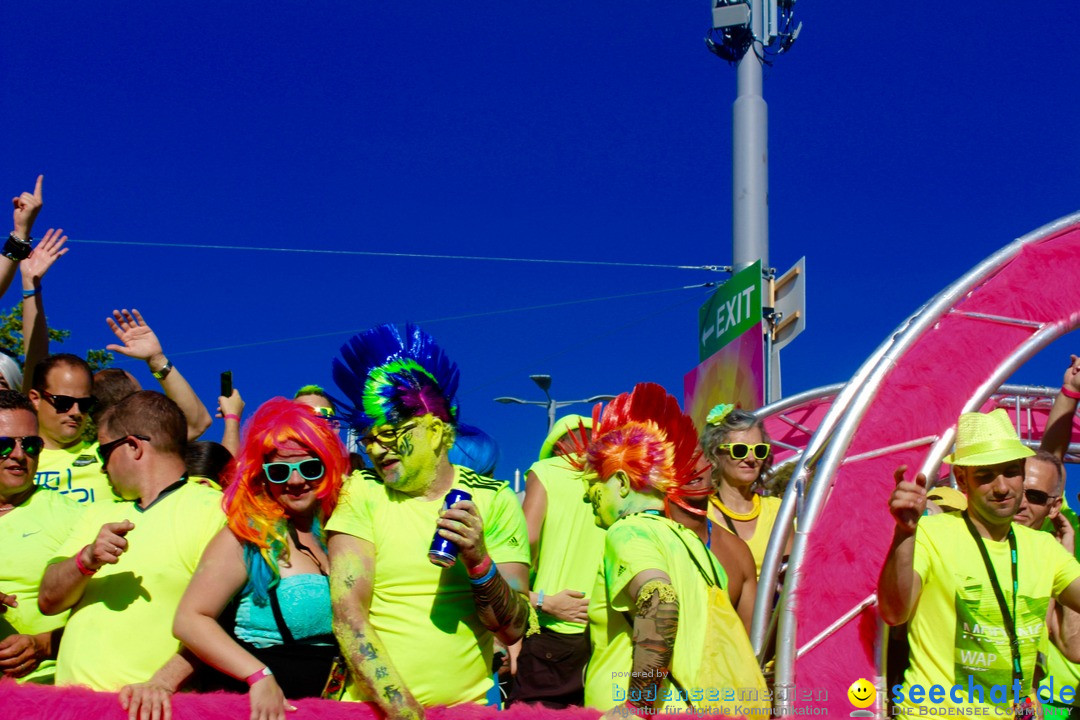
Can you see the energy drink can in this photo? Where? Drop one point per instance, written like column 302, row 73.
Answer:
column 443, row 552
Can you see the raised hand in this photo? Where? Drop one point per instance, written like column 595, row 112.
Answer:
column 908, row 500
column 108, row 546
column 27, row 206
column 1072, row 374
column 139, row 341
column 44, row 255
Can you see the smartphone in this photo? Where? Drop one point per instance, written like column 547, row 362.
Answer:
column 226, row 383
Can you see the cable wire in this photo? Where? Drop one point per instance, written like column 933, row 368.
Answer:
column 429, row 256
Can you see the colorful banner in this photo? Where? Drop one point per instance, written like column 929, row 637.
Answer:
column 733, row 374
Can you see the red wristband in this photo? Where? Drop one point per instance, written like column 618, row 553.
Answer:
column 231, row 416
column 258, row 675
column 481, row 569
column 79, row 563
column 1070, row 393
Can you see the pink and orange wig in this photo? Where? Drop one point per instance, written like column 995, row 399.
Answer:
column 644, row 434
column 253, row 515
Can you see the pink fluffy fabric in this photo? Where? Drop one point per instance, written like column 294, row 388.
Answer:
column 922, row 395
column 35, row 702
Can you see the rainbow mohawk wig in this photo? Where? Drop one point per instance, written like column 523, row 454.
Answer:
column 645, row 434
column 389, row 378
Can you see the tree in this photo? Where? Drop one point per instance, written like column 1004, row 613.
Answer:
column 11, row 340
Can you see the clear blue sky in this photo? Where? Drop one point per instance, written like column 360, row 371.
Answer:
column 907, row 142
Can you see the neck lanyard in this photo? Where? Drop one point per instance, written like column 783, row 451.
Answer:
column 1008, row 618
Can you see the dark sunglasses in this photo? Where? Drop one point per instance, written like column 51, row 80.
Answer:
column 104, row 451
column 740, row 450
column 30, row 444
column 279, row 472
column 1034, row 497
column 388, row 438
column 63, row 403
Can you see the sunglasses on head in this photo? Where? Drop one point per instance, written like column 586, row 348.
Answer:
column 30, row 444
column 104, row 451
column 63, row 403
column 1035, row 497
column 280, row 472
column 740, row 450
column 326, row 412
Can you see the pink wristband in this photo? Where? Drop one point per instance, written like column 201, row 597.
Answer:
column 231, row 416
column 257, row 676
column 1070, row 393
column 79, row 563
column 481, row 569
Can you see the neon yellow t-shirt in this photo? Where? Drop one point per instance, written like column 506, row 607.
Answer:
column 770, row 506
column 424, row 615
column 1060, row 671
column 571, row 543
column 76, row 472
column 30, row 535
column 956, row 633
column 634, row 544
column 120, row 631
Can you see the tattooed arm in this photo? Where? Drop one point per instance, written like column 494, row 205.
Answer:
column 656, row 620
column 352, row 574
column 500, row 593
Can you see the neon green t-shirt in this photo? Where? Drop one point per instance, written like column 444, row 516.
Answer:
column 120, row 631
column 1060, row 672
column 956, row 632
column 571, row 543
column 424, row 615
column 30, row 535
column 634, row 544
column 76, row 472
column 759, row 543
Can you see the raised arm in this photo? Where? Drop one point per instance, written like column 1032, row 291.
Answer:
column 140, row 342
column 500, row 593
column 35, row 329
column 352, row 574
column 17, row 244
column 1059, row 423
column 231, row 410
column 64, row 582
column 899, row 585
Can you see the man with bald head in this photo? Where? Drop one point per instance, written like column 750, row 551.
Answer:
column 1044, row 486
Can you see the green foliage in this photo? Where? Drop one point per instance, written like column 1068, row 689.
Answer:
column 11, row 337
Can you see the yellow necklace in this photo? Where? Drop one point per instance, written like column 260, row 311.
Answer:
column 741, row 517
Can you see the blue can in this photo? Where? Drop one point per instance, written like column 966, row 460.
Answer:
column 443, row 552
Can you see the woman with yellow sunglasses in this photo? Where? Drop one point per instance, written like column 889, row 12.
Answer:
column 735, row 443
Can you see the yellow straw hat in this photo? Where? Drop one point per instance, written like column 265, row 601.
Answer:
column 986, row 439
column 947, row 498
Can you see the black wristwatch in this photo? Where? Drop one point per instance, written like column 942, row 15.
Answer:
column 16, row 248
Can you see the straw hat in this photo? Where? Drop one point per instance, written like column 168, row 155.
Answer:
column 947, row 498
column 562, row 426
column 986, row 439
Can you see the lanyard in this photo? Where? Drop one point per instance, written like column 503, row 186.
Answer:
column 1008, row 618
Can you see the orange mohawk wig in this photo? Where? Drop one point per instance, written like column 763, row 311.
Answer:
column 645, row 434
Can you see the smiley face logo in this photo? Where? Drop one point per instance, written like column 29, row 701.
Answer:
column 862, row 694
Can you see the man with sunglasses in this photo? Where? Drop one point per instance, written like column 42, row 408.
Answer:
column 33, row 524
column 127, row 564
column 415, row 634
column 61, row 392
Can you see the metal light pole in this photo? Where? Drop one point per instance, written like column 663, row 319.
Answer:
column 551, row 404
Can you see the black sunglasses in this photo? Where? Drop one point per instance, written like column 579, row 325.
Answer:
column 30, row 444
column 104, row 451
column 1035, row 497
column 63, row 403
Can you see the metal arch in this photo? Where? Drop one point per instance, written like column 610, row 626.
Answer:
column 841, row 422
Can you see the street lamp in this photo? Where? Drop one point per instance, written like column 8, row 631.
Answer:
column 544, row 383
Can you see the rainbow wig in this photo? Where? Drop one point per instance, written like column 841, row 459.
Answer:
column 645, row 434
column 390, row 379
column 256, row 519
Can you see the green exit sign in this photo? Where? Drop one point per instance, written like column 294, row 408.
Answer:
column 733, row 309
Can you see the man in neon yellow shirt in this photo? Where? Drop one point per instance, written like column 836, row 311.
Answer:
column 33, row 524
column 415, row 634
column 61, row 392
column 124, row 569
column 973, row 586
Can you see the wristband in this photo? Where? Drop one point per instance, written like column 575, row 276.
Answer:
column 30, row 293
column 1070, row 393
column 16, row 248
column 79, row 563
column 485, row 578
column 258, row 675
column 481, row 569
column 540, row 601
column 231, row 416
column 164, row 371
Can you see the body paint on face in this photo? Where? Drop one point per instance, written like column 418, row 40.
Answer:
column 405, row 446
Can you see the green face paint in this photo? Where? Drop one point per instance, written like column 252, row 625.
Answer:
column 606, row 501
column 407, row 464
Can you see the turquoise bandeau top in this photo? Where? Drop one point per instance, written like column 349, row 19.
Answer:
column 305, row 605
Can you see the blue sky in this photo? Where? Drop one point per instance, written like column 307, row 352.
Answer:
column 907, row 142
